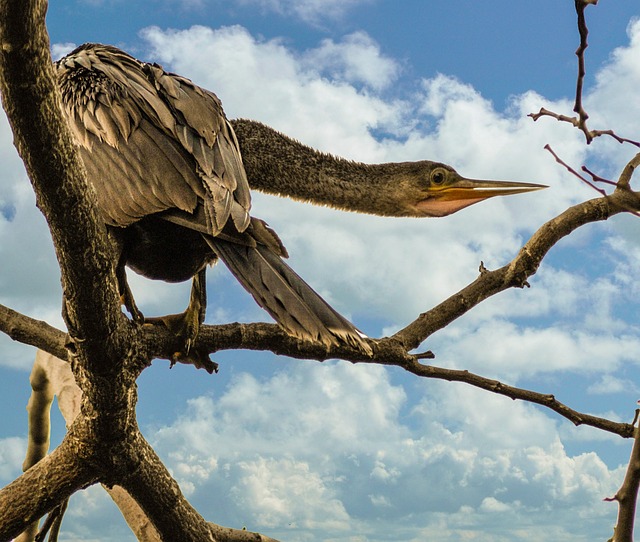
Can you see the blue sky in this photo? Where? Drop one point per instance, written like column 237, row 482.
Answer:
column 305, row 451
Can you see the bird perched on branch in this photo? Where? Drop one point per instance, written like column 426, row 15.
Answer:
column 168, row 174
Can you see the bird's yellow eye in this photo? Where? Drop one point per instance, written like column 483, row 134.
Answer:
column 438, row 176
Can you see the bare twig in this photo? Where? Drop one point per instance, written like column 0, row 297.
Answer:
column 611, row 133
column 575, row 121
column 625, row 430
column 573, row 171
column 624, row 182
column 597, row 178
column 584, row 32
column 559, row 117
column 580, row 121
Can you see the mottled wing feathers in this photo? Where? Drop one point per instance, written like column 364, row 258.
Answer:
column 145, row 176
column 151, row 140
column 206, row 134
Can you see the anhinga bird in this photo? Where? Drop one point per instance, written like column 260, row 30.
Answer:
column 170, row 182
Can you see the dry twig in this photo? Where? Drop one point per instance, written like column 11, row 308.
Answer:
column 580, row 121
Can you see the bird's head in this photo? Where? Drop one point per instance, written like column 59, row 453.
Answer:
column 438, row 190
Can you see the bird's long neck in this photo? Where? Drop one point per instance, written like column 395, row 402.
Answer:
column 277, row 164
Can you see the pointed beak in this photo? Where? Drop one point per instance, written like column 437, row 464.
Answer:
column 447, row 199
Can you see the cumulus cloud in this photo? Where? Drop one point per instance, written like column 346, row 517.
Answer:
column 299, row 101
column 609, row 384
column 58, row 50
column 312, row 11
column 614, row 97
column 356, row 59
column 299, row 450
column 12, row 450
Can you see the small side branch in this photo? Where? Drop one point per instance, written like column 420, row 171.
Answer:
column 574, row 172
column 516, row 273
column 623, row 184
column 625, row 430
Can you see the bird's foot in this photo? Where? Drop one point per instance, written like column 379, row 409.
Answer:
column 198, row 358
column 132, row 308
column 186, row 326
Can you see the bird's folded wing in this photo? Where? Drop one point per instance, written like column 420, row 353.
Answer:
column 151, row 140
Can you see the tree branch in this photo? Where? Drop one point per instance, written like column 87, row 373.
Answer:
column 625, row 430
column 516, row 273
column 32, row 103
column 627, row 495
column 34, row 332
column 584, row 33
column 49, row 482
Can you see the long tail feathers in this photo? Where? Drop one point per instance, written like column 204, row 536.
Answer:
column 285, row 296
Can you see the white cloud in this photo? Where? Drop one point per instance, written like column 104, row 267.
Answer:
column 608, row 384
column 357, row 59
column 502, row 349
column 614, row 99
column 298, row 101
column 329, row 448
column 278, row 492
column 311, row 11
column 12, row 452
column 58, row 50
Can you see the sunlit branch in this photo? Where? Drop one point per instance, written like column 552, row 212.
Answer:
column 627, row 496
column 34, row 332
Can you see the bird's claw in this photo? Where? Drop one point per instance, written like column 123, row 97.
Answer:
column 198, row 358
column 183, row 325
column 186, row 325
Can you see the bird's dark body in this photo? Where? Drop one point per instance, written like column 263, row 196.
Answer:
column 160, row 250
